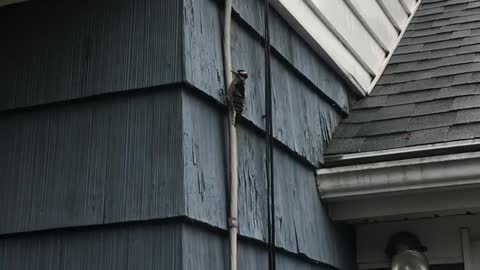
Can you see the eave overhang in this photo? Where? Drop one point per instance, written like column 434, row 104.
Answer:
column 418, row 187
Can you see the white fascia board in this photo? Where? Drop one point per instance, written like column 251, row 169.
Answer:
column 359, row 82
column 411, row 187
column 396, row 207
column 347, row 34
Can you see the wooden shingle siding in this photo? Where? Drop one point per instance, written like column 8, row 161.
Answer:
column 298, row 93
column 59, row 50
column 107, row 160
column 205, row 249
column 137, row 246
column 126, row 247
column 115, row 116
column 303, row 224
column 203, row 51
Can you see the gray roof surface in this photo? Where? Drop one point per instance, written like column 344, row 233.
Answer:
column 430, row 90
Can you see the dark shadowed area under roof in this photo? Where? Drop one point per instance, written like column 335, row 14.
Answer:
column 430, row 90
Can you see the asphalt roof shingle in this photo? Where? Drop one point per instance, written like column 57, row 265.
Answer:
column 430, row 90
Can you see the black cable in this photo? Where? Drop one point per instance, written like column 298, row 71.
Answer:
column 269, row 142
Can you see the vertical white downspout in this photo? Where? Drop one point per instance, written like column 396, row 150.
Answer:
column 466, row 248
column 233, row 219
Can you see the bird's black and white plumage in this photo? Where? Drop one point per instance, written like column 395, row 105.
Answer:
column 237, row 92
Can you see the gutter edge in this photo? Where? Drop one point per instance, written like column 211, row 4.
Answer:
column 452, row 172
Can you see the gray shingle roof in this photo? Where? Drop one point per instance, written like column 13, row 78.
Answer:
column 430, row 90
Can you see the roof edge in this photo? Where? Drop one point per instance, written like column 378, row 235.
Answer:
column 419, row 151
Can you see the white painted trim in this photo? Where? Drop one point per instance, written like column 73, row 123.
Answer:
column 390, row 16
column 403, row 29
column 466, row 248
column 394, row 207
column 360, row 63
column 337, row 66
column 405, row 7
column 366, row 25
column 339, row 36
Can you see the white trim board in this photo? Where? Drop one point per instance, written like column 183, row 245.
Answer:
column 357, row 37
column 411, row 206
column 466, row 241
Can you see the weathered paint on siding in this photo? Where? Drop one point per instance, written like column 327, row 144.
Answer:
column 304, row 120
column 126, row 247
column 207, row 250
column 108, row 160
column 136, row 246
column 303, row 225
column 120, row 159
column 59, row 50
column 203, row 29
column 160, row 152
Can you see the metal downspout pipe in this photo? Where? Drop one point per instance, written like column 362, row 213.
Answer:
column 232, row 131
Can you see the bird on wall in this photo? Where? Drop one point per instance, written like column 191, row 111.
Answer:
column 237, row 93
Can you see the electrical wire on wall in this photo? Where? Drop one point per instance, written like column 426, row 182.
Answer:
column 269, row 141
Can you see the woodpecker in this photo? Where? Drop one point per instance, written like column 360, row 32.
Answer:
column 236, row 92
